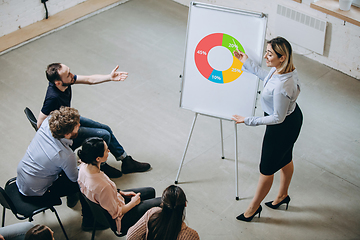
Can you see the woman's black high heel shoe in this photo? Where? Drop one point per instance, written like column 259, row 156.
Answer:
column 241, row 217
column 286, row 200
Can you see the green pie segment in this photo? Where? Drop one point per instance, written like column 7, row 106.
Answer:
column 231, row 43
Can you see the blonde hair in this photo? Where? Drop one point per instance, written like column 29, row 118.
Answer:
column 283, row 48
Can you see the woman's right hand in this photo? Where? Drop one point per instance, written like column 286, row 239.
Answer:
column 136, row 199
column 240, row 55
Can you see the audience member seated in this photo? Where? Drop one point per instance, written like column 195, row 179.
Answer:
column 39, row 232
column 15, row 231
column 49, row 167
column 127, row 206
column 166, row 221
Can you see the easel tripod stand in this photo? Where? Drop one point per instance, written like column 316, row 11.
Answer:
column 222, row 150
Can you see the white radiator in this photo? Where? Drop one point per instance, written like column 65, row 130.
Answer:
column 301, row 29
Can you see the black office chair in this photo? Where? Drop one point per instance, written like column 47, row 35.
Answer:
column 102, row 216
column 31, row 117
column 12, row 199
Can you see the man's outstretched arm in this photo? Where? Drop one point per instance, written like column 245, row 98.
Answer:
column 96, row 79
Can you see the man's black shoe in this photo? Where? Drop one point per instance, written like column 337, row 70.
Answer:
column 88, row 225
column 129, row 165
column 110, row 171
column 72, row 200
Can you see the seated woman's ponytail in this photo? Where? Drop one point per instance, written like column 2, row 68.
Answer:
column 166, row 224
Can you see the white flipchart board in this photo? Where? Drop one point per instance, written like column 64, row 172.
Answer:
column 222, row 93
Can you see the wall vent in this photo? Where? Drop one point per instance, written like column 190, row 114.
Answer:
column 301, row 29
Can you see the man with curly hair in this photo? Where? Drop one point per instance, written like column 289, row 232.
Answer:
column 49, row 166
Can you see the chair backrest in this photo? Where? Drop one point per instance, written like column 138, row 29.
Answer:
column 102, row 215
column 31, row 117
column 5, row 200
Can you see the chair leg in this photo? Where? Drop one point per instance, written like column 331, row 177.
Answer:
column 3, row 217
column 58, row 218
column 94, row 230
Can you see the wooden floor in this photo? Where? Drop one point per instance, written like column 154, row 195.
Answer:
column 53, row 22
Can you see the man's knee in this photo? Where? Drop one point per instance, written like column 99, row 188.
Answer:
column 107, row 128
column 104, row 134
column 89, row 123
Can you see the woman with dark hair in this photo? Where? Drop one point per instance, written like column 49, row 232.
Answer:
column 125, row 207
column 166, row 221
column 282, row 117
column 39, row 232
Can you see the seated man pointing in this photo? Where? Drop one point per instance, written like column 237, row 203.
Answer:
column 59, row 94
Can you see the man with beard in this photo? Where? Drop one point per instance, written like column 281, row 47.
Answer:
column 49, row 166
column 59, row 94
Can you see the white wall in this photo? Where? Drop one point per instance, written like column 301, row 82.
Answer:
column 15, row 14
column 342, row 43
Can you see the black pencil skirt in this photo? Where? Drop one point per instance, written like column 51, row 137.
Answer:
column 279, row 141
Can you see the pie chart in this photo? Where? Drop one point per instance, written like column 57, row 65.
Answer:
column 202, row 62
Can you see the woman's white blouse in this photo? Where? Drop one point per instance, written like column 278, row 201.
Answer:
column 278, row 97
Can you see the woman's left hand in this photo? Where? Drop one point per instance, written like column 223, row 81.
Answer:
column 127, row 194
column 238, row 119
